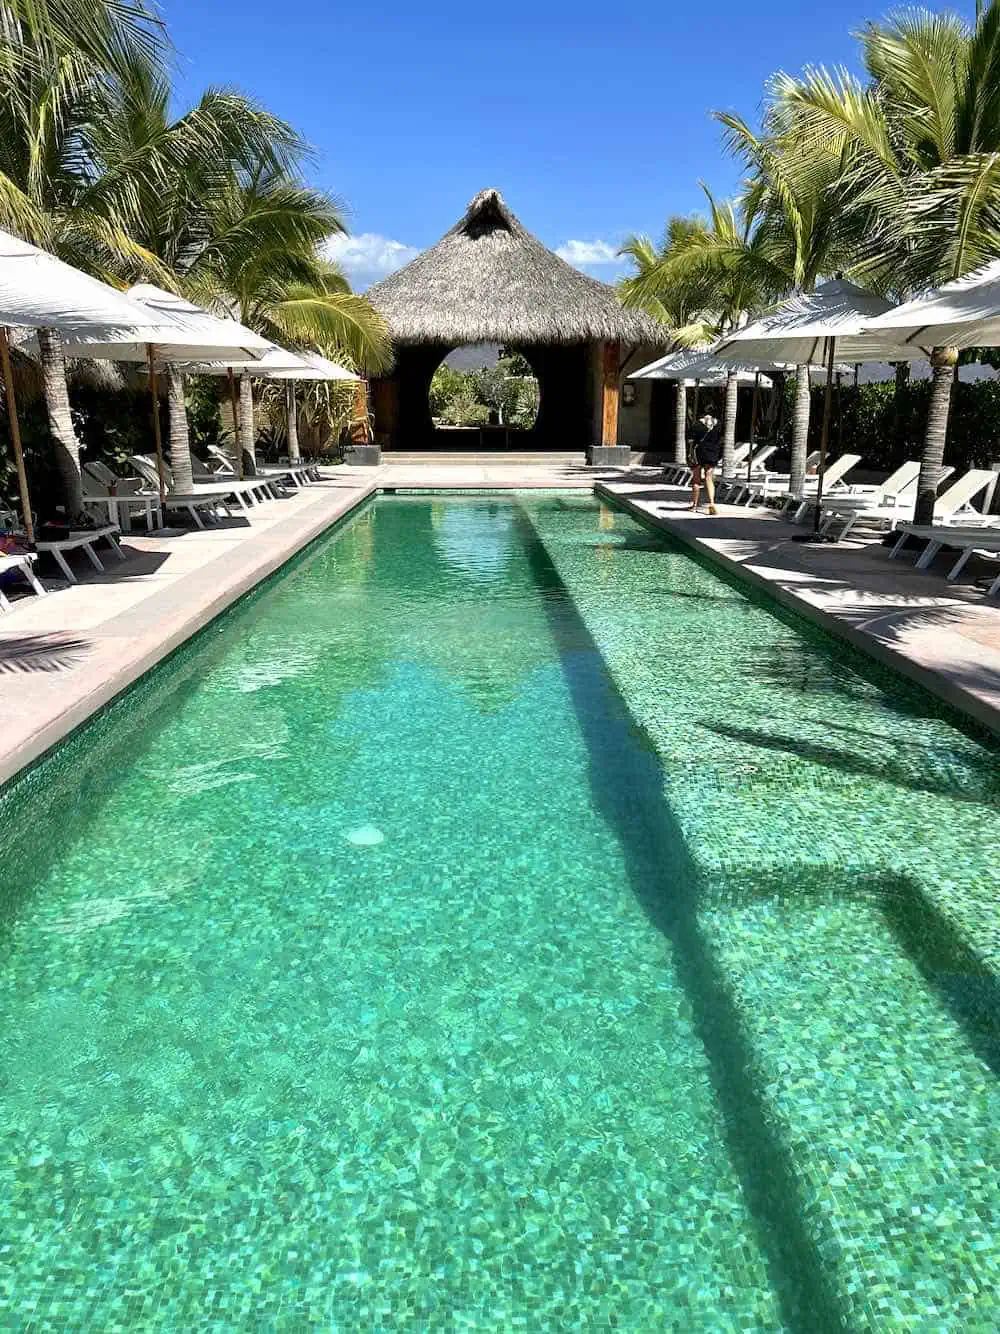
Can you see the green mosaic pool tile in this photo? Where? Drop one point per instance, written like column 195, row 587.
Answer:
column 844, row 836
column 442, row 1078
column 379, row 972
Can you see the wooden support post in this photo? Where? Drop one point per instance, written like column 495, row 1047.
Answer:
column 15, row 438
column 359, row 417
column 609, row 396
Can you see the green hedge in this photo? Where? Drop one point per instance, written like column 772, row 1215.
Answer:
column 884, row 430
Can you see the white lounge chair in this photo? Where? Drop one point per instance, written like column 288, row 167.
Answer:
column 199, row 500
column 953, row 506
column 833, row 479
column 679, row 474
column 731, row 488
column 83, row 539
column 298, row 474
column 852, row 504
column 119, row 497
column 257, row 488
column 762, row 485
column 23, row 563
column 983, row 538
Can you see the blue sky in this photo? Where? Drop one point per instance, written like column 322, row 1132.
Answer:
column 593, row 120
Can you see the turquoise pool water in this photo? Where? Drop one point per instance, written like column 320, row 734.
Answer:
column 499, row 922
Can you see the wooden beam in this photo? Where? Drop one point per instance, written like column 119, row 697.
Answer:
column 359, row 417
column 609, row 405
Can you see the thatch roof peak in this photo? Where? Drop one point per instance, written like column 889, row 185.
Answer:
column 488, row 280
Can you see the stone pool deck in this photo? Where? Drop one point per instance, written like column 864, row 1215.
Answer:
column 62, row 657
column 945, row 636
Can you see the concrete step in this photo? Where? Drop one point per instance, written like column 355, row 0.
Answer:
column 495, row 459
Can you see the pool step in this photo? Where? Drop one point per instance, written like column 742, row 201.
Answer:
column 495, row 459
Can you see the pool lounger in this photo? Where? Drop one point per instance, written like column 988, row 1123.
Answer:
column 833, row 480
column 299, row 475
column 679, row 474
column 965, row 539
column 762, row 484
column 22, row 563
column 244, row 493
column 894, row 494
column 953, row 506
column 210, row 497
column 82, row 540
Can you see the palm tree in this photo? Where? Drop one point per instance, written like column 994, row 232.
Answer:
column 920, row 147
column 802, row 229
column 51, row 97
column 101, row 30
column 727, row 263
column 263, row 262
column 164, row 174
column 680, row 305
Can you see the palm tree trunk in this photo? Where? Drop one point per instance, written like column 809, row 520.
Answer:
column 61, row 420
column 943, row 360
column 680, row 423
column 800, row 432
column 180, row 440
column 729, row 423
column 247, row 434
column 293, row 423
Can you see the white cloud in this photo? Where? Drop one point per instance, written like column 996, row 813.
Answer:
column 584, row 254
column 368, row 257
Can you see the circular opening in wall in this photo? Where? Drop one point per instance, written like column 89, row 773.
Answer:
column 484, row 388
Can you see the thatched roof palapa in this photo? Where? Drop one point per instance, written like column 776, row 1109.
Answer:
column 488, row 280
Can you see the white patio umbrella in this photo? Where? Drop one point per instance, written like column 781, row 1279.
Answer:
column 693, row 368
column 963, row 313
column 38, row 291
column 277, row 363
column 185, row 333
column 317, row 368
column 820, row 326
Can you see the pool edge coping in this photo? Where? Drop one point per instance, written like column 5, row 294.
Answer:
column 81, row 710
column 936, row 682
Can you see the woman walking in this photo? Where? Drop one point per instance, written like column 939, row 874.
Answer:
column 707, row 452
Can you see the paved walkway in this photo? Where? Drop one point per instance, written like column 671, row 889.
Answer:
column 63, row 656
column 946, row 636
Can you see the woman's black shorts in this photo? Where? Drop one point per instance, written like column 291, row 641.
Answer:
column 708, row 453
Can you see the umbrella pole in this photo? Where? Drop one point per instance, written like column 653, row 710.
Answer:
column 824, row 438
column 15, row 436
column 694, row 408
column 234, row 400
column 154, row 396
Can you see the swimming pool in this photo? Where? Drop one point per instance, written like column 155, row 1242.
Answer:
column 502, row 920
